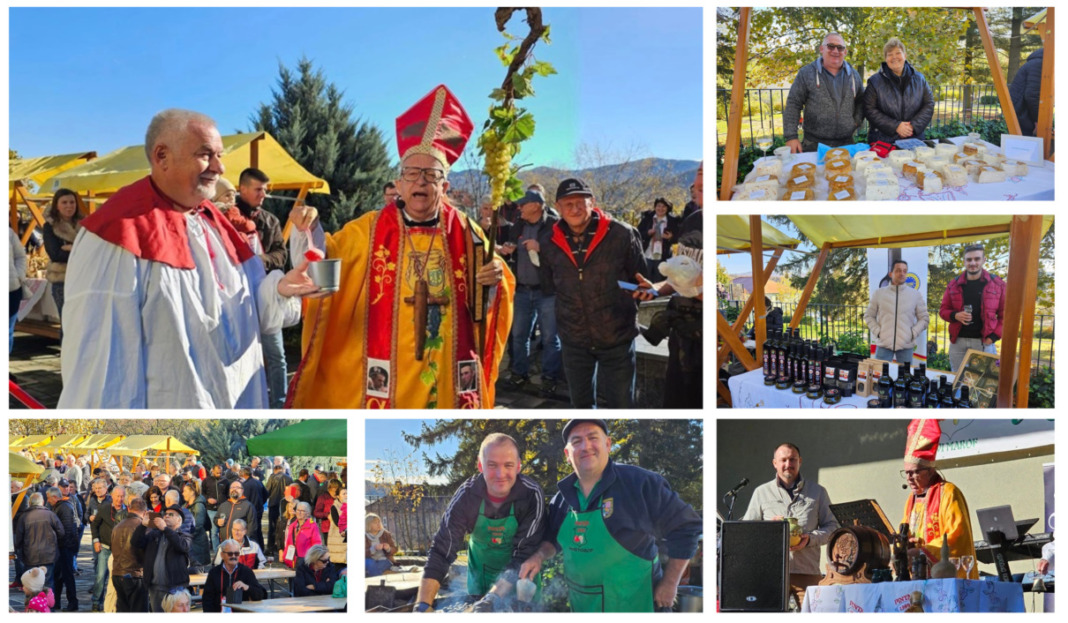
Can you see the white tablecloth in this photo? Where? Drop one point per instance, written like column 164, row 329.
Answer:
column 938, row 596
column 40, row 305
column 1037, row 185
column 749, row 392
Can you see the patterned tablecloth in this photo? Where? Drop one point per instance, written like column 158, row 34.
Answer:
column 938, row 596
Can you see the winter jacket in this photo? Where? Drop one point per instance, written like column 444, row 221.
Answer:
column 386, row 538
column 1024, row 92
column 68, row 516
column 177, row 561
column 37, row 537
column 896, row 316
column 92, row 504
column 827, row 114
column 544, row 238
column 219, row 579
column 673, row 225
column 126, row 555
column 270, row 230
column 639, row 510
column 301, row 536
column 55, row 237
column 230, row 511
column 337, row 541
column 200, row 552
column 106, row 520
column 322, row 580
column 772, row 322
column 276, row 488
column 592, row 311
column 525, row 498
column 322, row 510
column 890, row 100
column 217, row 488
column 993, row 311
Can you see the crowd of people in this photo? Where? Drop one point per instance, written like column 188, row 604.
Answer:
column 418, row 261
column 150, row 531
column 897, row 101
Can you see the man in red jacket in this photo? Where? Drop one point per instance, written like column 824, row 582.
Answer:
column 978, row 326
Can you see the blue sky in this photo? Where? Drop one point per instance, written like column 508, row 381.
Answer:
column 90, row 79
column 385, row 436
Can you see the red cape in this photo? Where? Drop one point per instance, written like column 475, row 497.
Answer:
column 141, row 219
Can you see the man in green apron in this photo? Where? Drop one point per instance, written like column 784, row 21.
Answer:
column 606, row 518
column 503, row 513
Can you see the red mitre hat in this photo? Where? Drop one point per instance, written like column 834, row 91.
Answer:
column 436, row 125
column 922, row 445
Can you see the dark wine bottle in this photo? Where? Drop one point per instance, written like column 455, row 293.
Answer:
column 926, row 382
column 901, row 387
column 965, row 400
column 915, row 393
column 886, row 388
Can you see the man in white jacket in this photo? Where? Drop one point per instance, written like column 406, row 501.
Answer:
column 896, row 316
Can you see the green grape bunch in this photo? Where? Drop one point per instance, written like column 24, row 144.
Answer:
column 498, row 164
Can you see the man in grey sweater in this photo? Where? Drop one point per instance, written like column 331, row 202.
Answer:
column 831, row 92
column 897, row 315
column 790, row 495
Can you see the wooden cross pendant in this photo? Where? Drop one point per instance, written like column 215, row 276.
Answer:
column 422, row 302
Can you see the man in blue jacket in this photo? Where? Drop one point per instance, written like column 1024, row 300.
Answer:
column 606, row 518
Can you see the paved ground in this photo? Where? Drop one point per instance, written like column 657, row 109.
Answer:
column 35, row 362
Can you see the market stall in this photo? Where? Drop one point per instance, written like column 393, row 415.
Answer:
column 307, row 438
column 25, row 471
column 149, row 447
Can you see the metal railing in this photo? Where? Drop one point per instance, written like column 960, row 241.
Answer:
column 413, row 523
column 823, row 319
column 762, row 108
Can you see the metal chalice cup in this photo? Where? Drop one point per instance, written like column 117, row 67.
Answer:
column 325, row 274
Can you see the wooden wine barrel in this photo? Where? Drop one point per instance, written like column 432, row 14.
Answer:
column 853, row 546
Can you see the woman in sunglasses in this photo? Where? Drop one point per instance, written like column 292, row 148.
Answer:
column 316, row 574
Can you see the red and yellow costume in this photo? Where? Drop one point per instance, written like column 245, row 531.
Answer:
column 369, row 324
column 942, row 510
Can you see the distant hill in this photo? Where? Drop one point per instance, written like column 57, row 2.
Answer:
column 677, row 173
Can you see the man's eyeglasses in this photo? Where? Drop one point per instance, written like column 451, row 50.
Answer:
column 232, row 553
column 411, row 174
column 911, row 473
column 835, row 47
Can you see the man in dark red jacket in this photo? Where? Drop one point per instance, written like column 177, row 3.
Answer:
column 980, row 327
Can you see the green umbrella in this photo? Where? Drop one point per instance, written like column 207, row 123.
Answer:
column 308, row 438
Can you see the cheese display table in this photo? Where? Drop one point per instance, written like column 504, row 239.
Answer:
column 1036, row 185
column 938, row 596
column 749, row 392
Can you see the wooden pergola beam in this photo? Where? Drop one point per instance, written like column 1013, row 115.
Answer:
column 756, row 253
column 723, row 328
column 1030, row 298
column 748, row 307
column 937, row 236
column 1044, row 124
column 734, row 117
column 1023, row 243
column 995, row 72
column 810, row 286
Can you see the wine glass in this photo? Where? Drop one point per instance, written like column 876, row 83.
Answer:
column 764, row 144
column 955, row 561
column 967, row 562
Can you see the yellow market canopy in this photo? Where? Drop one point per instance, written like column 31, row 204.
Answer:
column 98, row 441
column 39, row 169
column 30, row 441
column 107, row 174
column 61, row 442
column 18, row 465
column 138, row 445
column 732, row 234
column 915, row 230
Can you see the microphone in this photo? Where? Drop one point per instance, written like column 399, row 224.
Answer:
column 399, row 203
column 741, row 485
column 904, row 486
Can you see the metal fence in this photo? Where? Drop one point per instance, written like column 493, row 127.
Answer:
column 412, row 523
column 762, row 108
column 833, row 320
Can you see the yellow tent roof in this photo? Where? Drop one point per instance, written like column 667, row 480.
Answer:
column 62, row 441
column 30, row 441
column 873, row 230
column 732, row 234
column 39, row 169
column 18, row 464
column 96, row 441
column 124, row 166
column 136, row 445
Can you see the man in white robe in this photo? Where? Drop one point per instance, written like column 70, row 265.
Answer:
column 167, row 302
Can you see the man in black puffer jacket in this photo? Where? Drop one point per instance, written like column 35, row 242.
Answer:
column 897, row 102
column 68, row 546
column 1025, row 91
column 596, row 319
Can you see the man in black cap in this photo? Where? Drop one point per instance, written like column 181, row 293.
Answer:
column 166, row 562
column 535, row 298
column 590, row 255
column 610, row 512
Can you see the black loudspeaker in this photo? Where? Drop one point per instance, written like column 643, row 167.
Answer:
column 754, row 566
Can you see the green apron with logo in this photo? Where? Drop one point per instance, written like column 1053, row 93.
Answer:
column 490, row 549
column 602, row 576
